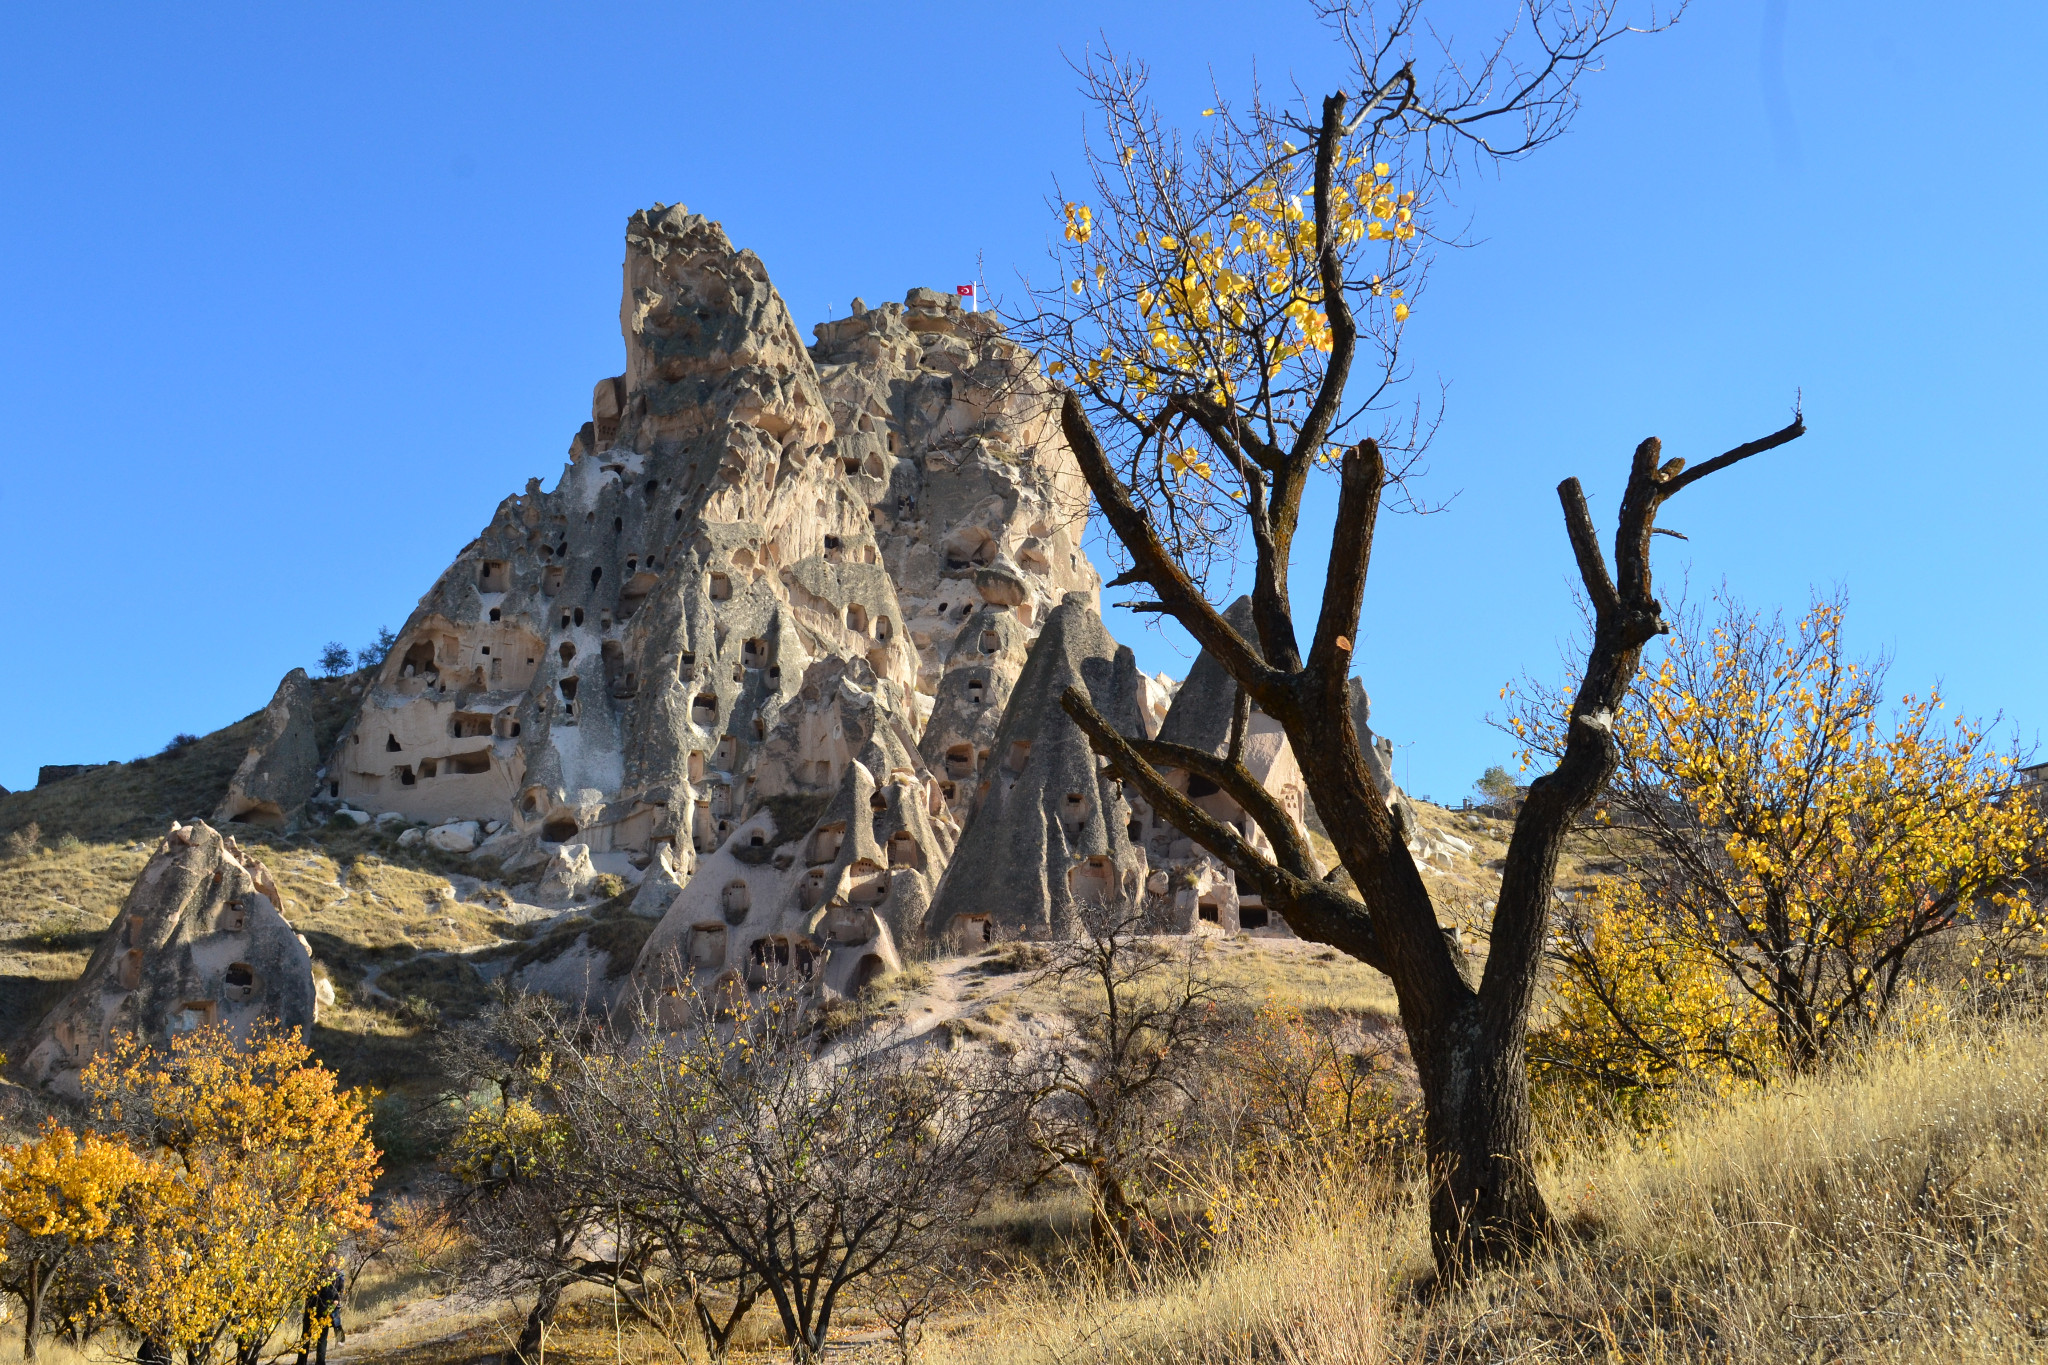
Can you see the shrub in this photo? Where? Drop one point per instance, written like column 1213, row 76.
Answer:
column 20, row 843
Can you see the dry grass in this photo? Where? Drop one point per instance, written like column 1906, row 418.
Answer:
column 1890, row 1212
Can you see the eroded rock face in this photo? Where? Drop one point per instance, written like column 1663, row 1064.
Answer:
column 282, row 767
column 1048, row 828
column 1191, row 888
column 200, row 940
column 768, row 637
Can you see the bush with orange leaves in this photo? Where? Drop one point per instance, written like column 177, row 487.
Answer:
column 1800, row 864
column 61, row 1200
column 255, row 1167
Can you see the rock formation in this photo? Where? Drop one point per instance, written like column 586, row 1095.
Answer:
column 282, row 766
column 776, row 636
column 1048, row 827
column 200, row 940
column 1193, row 887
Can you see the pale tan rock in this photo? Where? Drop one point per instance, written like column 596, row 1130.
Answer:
column 200, row 940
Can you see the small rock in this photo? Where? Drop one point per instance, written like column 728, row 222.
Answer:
column 358, row 818
column 391, row 819
column 323, row 991
column 412, row 838
column 457, row 836
column 492, row 827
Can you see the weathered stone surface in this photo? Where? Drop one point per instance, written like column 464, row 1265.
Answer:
column 282, row 768
column 569, row 874
column 777, row 601
column 201, row 939
column 1195, row 889
column 457, row 836
column 1048, row 828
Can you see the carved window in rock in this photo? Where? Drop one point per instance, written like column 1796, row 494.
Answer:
column 707, row 947
column 1092, row 881
column 754, row 653
column 826, row 842
column 391, row 745
column 469, row 725
column 902, row 849
column 696, row 765
column 240, row 981
column 736, row 901
column 1251, row 912
column 194, row 1015
column 721, row 587
column 1208, row 912
column 977, row 692
column 704, row 711
column 551, row 579
column 971, row 933
column 470, row 764
column 960, row 762
column 131, row 969
column 1020, row 754
column 883, row 630
column 991, row 642
column 857, row 618
column 846, row 926
column 559, row 830
column 495, row 576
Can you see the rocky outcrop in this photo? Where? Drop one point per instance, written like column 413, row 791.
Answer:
column 282, row 768
column 835, row 866
column 952, row 434
column 1190, row 887
column 1048, row 828
column 773, row 639
column 201, row 940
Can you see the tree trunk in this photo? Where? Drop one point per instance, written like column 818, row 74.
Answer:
column 527, row 1351
column 32, row 1315
column 1484, row 1204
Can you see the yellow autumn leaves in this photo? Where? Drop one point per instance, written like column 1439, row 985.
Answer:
column 206, row 1204
column 1804, row 861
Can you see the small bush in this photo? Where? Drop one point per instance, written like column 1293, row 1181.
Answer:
column 20, row 843
column 179, row 741
column 609, row 885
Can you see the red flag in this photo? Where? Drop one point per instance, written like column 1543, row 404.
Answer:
column 963, row 289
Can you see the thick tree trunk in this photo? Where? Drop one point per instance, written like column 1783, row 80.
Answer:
column 32, row 1316
column 1485, row 1205
column 527, row 1350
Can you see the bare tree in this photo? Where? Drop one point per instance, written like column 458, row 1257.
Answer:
column 1228, row 317
column 1104, row 1096
column 725, row 1125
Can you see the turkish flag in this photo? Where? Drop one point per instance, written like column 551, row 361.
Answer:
column 963, row 289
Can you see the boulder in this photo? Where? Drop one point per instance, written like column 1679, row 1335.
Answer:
column 569, row 874
column 457, row 836
column 412, row 838
column 358, row 818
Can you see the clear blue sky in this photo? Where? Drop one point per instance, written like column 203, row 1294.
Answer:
column 292, row 295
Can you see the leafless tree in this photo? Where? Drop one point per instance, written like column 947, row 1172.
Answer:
column 729, row 1128
column 1228, row 320
column 1103, row 1097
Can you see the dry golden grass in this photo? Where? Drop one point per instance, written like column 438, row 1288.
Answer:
column 1892, row 1211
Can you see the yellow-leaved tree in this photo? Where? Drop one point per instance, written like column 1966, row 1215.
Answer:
column 61, row 1197
column 259, row 1165
column 1800, row 857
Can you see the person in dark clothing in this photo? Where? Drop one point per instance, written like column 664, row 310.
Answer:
column 323, row 1313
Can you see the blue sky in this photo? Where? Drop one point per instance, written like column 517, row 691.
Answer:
column 291, row 296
